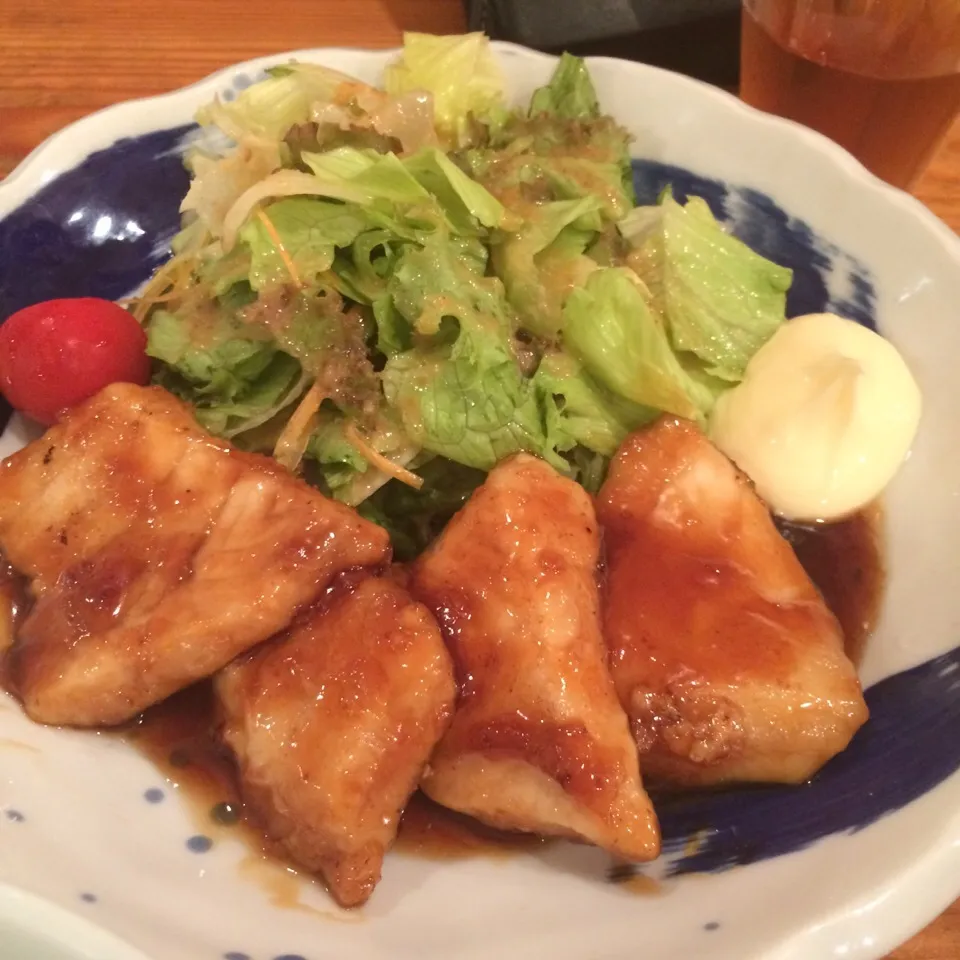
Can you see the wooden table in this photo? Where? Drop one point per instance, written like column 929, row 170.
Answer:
column 62, row 59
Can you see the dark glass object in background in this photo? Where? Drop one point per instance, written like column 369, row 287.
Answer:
column 698, row 37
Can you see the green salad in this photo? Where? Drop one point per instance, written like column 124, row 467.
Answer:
column 390, row 290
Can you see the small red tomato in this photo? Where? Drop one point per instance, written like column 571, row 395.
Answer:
column 57, row 354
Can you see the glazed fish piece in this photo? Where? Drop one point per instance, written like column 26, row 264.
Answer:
column 332, row 725
column 539, row 741
column 157, row 554
column 724, row 655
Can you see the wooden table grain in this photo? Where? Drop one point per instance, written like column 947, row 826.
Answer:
column 62, row 59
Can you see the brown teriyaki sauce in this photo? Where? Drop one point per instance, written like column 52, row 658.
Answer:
column 15, row 603
column 845, row 561
column 181, row 737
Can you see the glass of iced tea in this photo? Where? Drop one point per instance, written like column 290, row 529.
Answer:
column 880, row 77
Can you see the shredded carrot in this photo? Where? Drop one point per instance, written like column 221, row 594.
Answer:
column 151, row 301
column 378, row 460
column 166, row 284
column 292, row 442
column 278, row 243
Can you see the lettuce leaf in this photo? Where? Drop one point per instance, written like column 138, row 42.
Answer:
column 338, row 460
column 234, row 383
column 416, row 517
column 569, row 94
column 423, row 192
column 610, row 329
column 427, row 178
column 358, row 242
column 467, row 400
column 394, row 334
column 339, row 468
column 544, row 261
column 459, row 390
column 376, row 176
column 309, row 229
column 465, row 202
column 543, row 158
column 445, row 278
column 268, row 108
column 459, row 71
column 362, row 273
column 413, row 286
column 589, row 469
column 329, row 339
column 580, row 411
column 719, row 300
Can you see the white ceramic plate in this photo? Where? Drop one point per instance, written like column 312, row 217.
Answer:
column 98, row 845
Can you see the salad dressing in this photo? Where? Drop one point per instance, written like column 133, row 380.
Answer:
column 15, row 603
column 560, row 276
column 180, row 737
column 591, row 182
column 845, row 561
column 204, row 326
